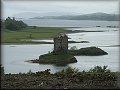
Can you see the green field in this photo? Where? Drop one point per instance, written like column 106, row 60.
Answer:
column 30, row 33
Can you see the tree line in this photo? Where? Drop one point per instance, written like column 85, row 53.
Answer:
column 12, row 24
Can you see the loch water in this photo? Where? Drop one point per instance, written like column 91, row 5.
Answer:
column 14, row 56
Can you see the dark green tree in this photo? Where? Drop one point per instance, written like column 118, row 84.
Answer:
column 14, row 25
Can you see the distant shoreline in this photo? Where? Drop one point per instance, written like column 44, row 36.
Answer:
column 38, row 33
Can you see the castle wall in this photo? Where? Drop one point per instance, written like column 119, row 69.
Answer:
column 61, row 43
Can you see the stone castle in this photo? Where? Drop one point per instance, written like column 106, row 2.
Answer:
column 61, row 42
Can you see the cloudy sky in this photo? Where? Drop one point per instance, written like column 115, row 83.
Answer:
column 10, row 8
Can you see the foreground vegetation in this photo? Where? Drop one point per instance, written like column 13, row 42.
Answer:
column 70, row 78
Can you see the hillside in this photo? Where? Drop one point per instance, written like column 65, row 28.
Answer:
column 93, row 16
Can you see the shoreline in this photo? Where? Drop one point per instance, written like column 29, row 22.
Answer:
column 41, row 42
column 26, row 40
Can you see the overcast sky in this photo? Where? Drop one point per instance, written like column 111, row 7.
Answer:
column 10, row 8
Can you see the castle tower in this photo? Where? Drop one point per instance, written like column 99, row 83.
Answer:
column 61, row 42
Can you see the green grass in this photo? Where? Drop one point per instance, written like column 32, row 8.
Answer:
column 36, row 33
column 61, row 58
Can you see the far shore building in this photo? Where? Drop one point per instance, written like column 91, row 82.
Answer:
column 61, row 42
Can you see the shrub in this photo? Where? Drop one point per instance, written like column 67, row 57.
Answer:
column 46, row 72
column 68, row 72
column 99, row 69
column 34, row 27
column 73, row 48
column 29, row 72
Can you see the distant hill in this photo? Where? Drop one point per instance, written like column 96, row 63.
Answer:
column 93, row 16
column 27, row 15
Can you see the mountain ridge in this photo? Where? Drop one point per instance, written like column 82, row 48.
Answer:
column 27, row 15
column 92, row 16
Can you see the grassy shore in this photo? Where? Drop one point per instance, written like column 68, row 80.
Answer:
column 23, row 36
column 60, row 58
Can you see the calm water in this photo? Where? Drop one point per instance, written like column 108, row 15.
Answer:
column 13, row 56
column 69, row 23
column 107, row 38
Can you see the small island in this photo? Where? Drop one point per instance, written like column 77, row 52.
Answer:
column 60, row 58
column 61, row 55
column 88, row 51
